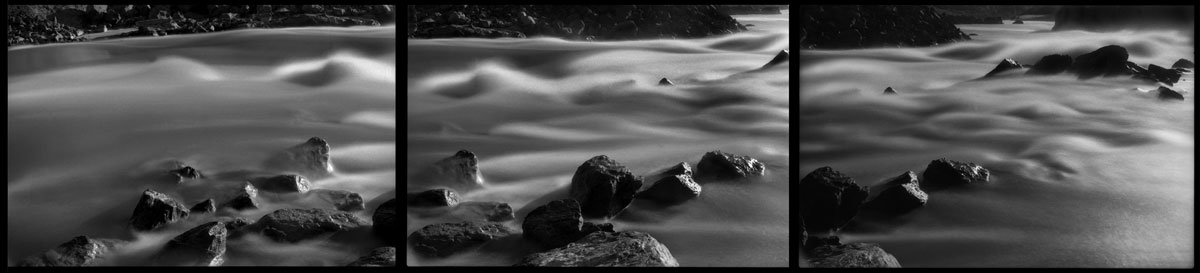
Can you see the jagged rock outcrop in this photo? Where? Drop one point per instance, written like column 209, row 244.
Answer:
column 433, row 198
column 717, row 166
column 620, row 249
column 901, row 195
column 558, row 223
column 310, row 159
column 155, row 210
column 294, row 225
column 385, row 222
column 243, row 198
column 203, row 245
column 287, row 183
column 671, row 186
column 206, row 206
column 779, row 58
column 1004, row 65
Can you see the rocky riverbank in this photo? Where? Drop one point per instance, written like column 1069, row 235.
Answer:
column 583, row 22
column 861, row 26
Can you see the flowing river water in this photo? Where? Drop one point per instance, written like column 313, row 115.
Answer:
column 535, row 109
column 88, row 121
column 1088, row 173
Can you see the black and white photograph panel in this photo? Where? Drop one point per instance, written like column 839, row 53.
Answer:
column 201, row 135
column 581, row 136
column 997, row 136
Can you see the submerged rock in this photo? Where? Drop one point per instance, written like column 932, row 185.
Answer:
column 779, row 58
column 341, row 200
column 1165, row 93
column 293, row 225
column 943, row 173
column 852, row 255
column 1004, row 65
column 385, row 222
column 433, row 198
column 441, row 240
column 903, row 194
column 717, row 165
column 829, row 199
column 1050, row 65
column 79, row 251
column 243, row 198
column 460, row 171
column 1163, row 75
column 155, row 210
column 1104, row 62
column 203, row 245
column 288, row 183
column 310, row 158
column 207, row 206
column 1183, row 63
column 665, row 81
column 620, row 249
column 384, row 256
column 185, row 173
column 673, row 185
column 889, row 91
column 557, row 223
column 603, row 187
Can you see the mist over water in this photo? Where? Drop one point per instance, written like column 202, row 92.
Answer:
column 88, row 122
column 534, row 109
column 1089, row 173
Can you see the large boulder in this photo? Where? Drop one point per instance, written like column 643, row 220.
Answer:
column 294, row 225
column 203, row 245
column 460, row 172
column 243, row 198
column 1104, row 62
column 1165, row 93
column 433, row 198
column 558, row 223
column 385, row 222
column 828, row 200
column 665, row 81
column 383, row 256
column 607, row 249
column 310, row 159
column 1183, row 63
column 1005, row 65
column 288, row 183
column 80, row 251
column 671, row 186
column 206, row 206
column 1050, row 65
column 779, row 58
column 942, row 173
column 901, row 195
column 155, row 210
column 717, row 165
column 340, row 200
column 852, row 255
column 603, row 187
column 441, row 240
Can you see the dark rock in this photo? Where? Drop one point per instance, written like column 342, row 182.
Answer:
column 485, row 211
column 1115, row 18
column 828, row 200
column 717, row 165
column 310, row 159
column 243, row 198
column 967, row 19
column 236, row 224
column 433, row 198
column 1183, row 63
column 889, row 91
column 1165, row 93
column 603, row 187
column 576, row 23
column 1050, row 65
column 460, row 171
column 80, row 251
column 312, row 8
column 665, row 81
column 340, row 200
column 557, row 223
column 155, row 210
column 852, row 255
column 901, row 195
column 1018, row 22
column 384, row 256
column 672, row 186
column 70, row 17
column 1104, row 62
column 864, row 26
column 207, row 206
column 1005, row 65
column 944, row 173
column 779, row 58
column 385, row 222
column 819, row 241
column 185, row 173
column 288, row 183
column 1163, row 75
column 441, row 240
column 621, row 249
column 294, row 225
column 203, row 245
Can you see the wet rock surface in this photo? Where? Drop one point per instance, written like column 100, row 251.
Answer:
column 557, row 223
column 203, row 245
column 445, row 239
column 155, row 210
column 717, row 165
column 288, row 183
column 433, row 198
column 310, row 159
column 581, row 22
column 384, row 256
column 385, row 222
column 340, row 200
column 1004, row 65
column 206, row 206
column 864, row 26
column 671, row 186
column 943, row 173
column 293, row 225
column 79, row 251
column 852, row 255
column 828, row 200
column 1050, row 65
column 623, row 249
column 603, row 187
column 901, row 195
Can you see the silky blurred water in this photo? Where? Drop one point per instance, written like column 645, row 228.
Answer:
column 88, row 121
column 535, row 109
column 1089, row 173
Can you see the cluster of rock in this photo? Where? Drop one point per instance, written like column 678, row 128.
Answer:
column 157, row 20
column 860, row 26
column 1107, row 61
column 830, row 199
column 205, row 245
column 600, row 188
column 575, row 22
